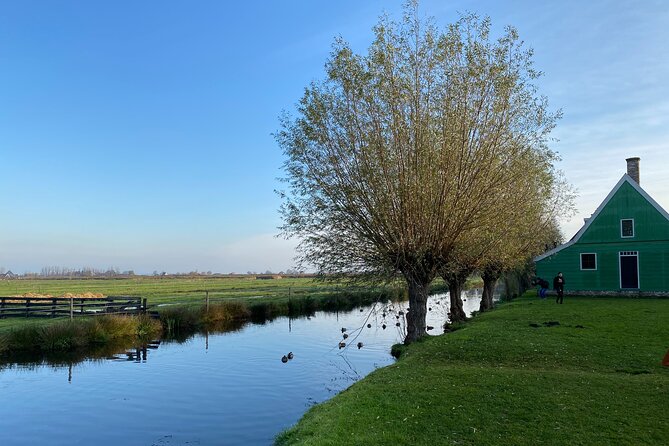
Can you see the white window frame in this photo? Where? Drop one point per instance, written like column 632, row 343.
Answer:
column 581, row 261
column 638, row 272
column 621, row 228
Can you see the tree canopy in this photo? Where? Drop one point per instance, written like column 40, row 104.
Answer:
column 417, row 155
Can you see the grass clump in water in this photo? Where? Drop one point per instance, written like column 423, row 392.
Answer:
column 117, row 326
column 181, row 318
column 225, row 312
column 66, row 335
column 23, row 337
column 63, row 336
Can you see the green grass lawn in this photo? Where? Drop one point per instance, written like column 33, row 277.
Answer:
column 500, row 381
column 163, row 290
column 187, row 290
column 15, row 322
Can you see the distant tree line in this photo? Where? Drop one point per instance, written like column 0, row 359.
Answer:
column 87, row 271
column 90, row 272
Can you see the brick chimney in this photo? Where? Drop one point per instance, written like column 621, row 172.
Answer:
column 633, row 168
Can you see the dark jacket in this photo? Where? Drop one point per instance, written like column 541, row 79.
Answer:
column 558, row 283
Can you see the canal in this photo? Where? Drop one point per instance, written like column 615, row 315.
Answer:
column 224, row 388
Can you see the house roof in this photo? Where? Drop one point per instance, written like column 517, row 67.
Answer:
column 625, row 179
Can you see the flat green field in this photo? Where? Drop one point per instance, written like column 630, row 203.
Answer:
column 515, row 377
column 191, row 291
column 167, row 290
column 171, row 290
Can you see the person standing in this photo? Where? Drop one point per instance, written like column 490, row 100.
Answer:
column 558, row 286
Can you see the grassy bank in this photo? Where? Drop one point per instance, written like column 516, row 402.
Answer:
column 177, row 321
column 79, row 334
column 513, row 376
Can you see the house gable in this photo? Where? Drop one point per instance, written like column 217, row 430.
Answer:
column 627, row 203
column 615, row 260
column 625, row 200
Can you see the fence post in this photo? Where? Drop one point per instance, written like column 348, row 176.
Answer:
column 206, row 299
column 27, row 307
column 53, row 307
column 143, row 309
column 71, row 308
column 2, row 307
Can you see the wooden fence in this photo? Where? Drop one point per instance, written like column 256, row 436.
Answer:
column 70, row 306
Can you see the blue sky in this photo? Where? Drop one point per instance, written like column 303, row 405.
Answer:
column 138, row 134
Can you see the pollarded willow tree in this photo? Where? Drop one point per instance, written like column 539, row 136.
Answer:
column 396, row 156
column 529, row 197
column 533, row 229
column 500, row 138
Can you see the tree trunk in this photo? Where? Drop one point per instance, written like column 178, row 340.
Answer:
column 418, row 294
column 507, row 288
column 489, row 281
column 457, row 310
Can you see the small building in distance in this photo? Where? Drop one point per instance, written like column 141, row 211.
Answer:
column 8, row 275
column 622, row 248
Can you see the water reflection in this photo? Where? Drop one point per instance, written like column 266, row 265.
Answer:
column 137, row 354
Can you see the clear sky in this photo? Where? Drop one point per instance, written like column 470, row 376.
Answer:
column 138, row 134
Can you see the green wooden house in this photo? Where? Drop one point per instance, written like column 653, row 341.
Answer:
column 622, row 248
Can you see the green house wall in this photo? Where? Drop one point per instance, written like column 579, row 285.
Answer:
column 603, row 238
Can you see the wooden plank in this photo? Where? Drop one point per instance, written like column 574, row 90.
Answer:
column 11, row 306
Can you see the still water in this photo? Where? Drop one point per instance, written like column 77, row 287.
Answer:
column 213, row 389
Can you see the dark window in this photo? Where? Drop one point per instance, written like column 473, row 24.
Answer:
column 588, row 261
column 627, row 228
